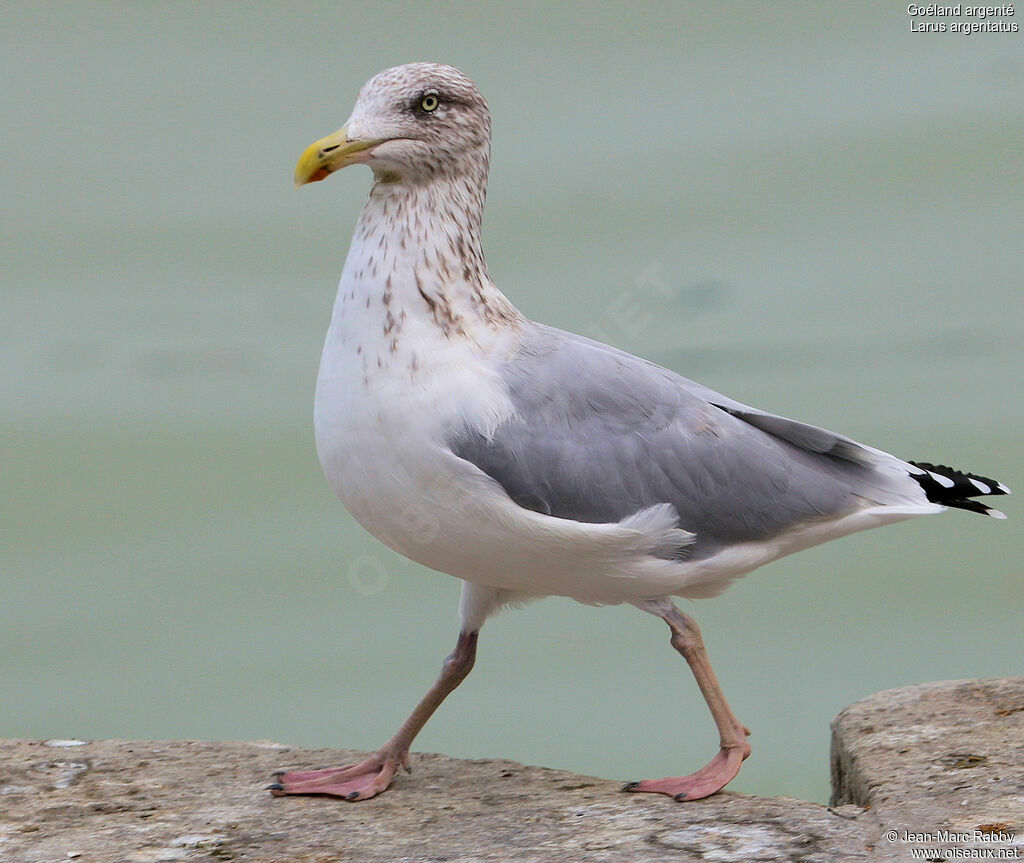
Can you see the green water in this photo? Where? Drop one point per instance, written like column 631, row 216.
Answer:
column 804, row 206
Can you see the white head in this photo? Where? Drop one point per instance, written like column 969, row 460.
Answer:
column 411, row 124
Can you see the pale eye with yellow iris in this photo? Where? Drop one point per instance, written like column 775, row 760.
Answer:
column 429, row 102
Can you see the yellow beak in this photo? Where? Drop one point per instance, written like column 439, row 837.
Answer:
column 330, row 154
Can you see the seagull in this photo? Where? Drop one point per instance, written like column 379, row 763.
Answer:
column 531, row 462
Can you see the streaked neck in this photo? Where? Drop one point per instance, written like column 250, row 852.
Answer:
column 417, row 251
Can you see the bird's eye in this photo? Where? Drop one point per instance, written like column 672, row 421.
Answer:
column 429, row 103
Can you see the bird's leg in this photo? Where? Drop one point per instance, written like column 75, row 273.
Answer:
column 721, row 770
column 373, row 775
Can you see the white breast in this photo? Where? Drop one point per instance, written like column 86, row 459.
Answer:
column 391, row 389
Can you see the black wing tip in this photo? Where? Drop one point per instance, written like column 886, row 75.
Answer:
column 974, row 506
column 975, row 483
column 955, row 488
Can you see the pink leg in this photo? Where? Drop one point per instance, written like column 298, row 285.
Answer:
column 722, row 769
column 373, row 775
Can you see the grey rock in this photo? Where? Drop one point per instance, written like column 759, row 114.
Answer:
column 914, row 760
column 936, row 759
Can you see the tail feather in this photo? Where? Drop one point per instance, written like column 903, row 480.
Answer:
column 950, row 487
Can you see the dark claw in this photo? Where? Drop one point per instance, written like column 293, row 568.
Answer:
column 681, row 796
column 630, row 786
column 276, row 786
column 277, row 774
column 353, row 796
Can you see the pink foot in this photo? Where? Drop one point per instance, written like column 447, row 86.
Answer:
column 355, row 782
column 714, row 776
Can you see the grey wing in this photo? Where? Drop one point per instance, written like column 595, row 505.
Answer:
column 598, row 435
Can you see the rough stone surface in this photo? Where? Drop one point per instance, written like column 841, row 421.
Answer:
column 937, row 757
column 129, row 801
column 911, row 756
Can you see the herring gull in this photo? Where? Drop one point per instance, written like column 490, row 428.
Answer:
column 551, row 464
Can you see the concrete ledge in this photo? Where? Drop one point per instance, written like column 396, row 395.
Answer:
column 937, row 757
column 946, row 756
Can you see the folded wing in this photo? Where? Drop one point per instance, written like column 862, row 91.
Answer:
column 598, row 435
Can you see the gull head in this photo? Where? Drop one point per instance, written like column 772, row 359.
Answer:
column 410, row 124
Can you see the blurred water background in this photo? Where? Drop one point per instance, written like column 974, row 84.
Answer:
column 805, row 206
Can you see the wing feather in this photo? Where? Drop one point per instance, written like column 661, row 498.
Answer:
column 599, row 435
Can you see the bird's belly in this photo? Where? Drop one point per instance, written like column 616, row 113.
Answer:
column 414, row 495
column 382, row 440
column 392, row 480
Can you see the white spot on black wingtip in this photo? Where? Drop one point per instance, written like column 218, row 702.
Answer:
column 950, row 487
